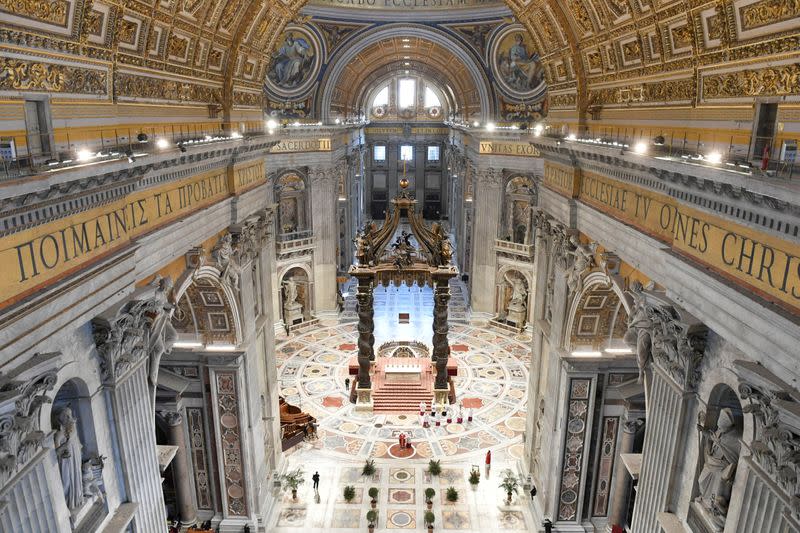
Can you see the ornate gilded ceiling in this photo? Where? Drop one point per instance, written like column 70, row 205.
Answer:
column 595, row 53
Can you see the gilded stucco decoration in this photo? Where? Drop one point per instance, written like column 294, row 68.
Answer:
column 51, row 12
column 133, row 86
column 22, row 75
column 768, row 12
column 774, row 81
column 662, row 91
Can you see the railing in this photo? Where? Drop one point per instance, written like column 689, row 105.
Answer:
column 741, row 150
column 295, row 241
column 26, row 154
column 515, row 248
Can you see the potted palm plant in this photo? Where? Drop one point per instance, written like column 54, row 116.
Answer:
column 372, row 518
column 373, row 493
column 349, row 493
column 474, row 477
column 510, row 484
column 429, row 518
column 434, row 467
column 452, row 494
column 429, row 494
column 369, row 468
column 294, row 479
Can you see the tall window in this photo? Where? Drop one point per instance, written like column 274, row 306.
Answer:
column 406, row 152
column 406, row 92
column 382, row 98
column 431, row 100
column 433, row 153
column 379, row 152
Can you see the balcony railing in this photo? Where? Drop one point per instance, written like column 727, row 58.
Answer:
column 295, row 241
column 514, row 248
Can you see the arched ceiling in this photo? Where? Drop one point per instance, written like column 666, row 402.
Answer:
column 217, row 51
column 397, row 55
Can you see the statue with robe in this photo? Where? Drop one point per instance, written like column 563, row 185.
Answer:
column 638, row 335
column 68, row 452
column 720, row 457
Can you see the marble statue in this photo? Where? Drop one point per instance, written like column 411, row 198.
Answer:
column 224, row 254
column 162, row 333
column 640, row 324
column 517, row 307
column 720, row 457
column 583, row 257
column 292, row 309
column 68, row 451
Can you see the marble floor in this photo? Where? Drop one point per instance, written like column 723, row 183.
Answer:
column 493, row 373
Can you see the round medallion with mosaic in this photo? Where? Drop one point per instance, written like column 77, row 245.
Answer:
column 516, row 65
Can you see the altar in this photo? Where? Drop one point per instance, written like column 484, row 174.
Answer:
column 403, row 372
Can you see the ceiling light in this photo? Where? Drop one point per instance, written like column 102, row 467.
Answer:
column 537, row 129
column 271, row 124
column 337, row 121
column 221, row 348
column 406, row 40
column 586, row 353
column 187, row 344
column 640, row 148
column 236, row 135
column 162, row 143
column 407, row 64
column 618, row 350
column 476, row 124
column 490, row 126
column 84, row 155
column 714, row 158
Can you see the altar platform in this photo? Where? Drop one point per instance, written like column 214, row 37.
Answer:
column 399, row 384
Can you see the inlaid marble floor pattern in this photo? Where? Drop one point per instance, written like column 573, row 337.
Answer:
column 401, row 500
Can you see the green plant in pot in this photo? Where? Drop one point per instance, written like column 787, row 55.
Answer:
column 369, row 468
column 294, row 479
column 372, row 518
column 434, row 467
column 373, row 493
column 429, row 518
column 452, row 494
column 349, row 493
column 429, row 494
column 510, row 484
column 474, row 477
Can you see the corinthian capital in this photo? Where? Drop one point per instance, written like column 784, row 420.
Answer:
column 321, row 175
column 489, row 177
column 663, row 333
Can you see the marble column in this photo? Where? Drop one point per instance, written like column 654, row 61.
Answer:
column 488, row 188
column 120, row 334
column 670, row 344
column 180, row 468
column 622, row 479
column 325, row 225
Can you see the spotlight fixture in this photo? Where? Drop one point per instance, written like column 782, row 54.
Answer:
column 715, row 158
column 490, row 126
column 162, row 143
column 537, row 129
column 618, row 350
column 586, row 353
column 84, row 155
column 236, row 135
column 640, row 148
column 142, row 137
column 187, row 344
column 572, row 137
column 271, row 124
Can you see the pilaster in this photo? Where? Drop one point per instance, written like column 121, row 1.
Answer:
column 487, row 202
column 326, row 236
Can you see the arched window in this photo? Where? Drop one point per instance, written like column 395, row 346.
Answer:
column 381, row 98
column 406, row 92
column 431, row 100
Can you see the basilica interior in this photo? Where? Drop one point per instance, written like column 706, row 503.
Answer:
column 308, row 266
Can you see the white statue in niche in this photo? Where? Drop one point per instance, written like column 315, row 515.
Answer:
column 517, row 309
column 290, row 286
column 68, row 451
column 721, row 455
column 292, row 309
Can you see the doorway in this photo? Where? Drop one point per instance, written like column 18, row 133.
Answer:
column 764, row 129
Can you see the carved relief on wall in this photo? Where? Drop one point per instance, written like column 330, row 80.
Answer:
column 594, row 61
column 772, row 81
column 662, row 91
column 619, row 8
column 127, row 31
column 131, row 85
column 559, row 101
column 607, row 456
column 681, row 38
column 197, row 444
column 178, row 47
column 581, row 15
column 22, row 75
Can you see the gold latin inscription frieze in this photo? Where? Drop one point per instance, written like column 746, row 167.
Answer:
column 564, row 180
column 302, row 145
column 33, row 257
column 508, row 148
column 247, row 176
column 768, row 265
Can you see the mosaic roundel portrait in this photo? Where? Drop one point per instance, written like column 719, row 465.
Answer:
column 516, row 65
column 296, row 62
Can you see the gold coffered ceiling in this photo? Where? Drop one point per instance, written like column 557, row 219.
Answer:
column 601, row 51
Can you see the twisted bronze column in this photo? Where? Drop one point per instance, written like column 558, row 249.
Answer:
column 366, row 325
column 441, row 346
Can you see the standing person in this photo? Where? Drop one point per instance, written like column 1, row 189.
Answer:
column 460, row 413
column 347, row 384
column 422, row 408
column 315, row 479
column 488, row 461
column 469, row 415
